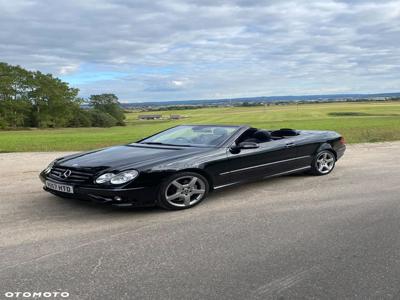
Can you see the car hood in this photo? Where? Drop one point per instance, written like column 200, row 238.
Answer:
column 132, row 155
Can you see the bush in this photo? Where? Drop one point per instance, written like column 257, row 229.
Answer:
column 102, row 119
column 81, row 118
column 108, row 103
column 3, row 123
column 347, row 114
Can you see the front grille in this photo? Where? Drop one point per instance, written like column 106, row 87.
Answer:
column 75, row 175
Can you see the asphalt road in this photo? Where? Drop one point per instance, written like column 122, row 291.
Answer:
column 294, row 237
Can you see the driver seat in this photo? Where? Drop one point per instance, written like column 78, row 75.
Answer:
column 260, row 136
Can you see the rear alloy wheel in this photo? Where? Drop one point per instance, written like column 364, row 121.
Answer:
column 183, row 190
column 323, row 163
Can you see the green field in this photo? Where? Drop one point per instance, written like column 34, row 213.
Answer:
column 358, row 122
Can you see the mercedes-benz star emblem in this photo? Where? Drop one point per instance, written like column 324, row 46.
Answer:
column 67, row 173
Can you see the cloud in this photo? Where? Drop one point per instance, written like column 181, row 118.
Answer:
column 177, row 82
column 65, row 70
column 193, row 49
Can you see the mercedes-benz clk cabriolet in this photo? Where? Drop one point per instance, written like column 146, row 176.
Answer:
column 178, row 167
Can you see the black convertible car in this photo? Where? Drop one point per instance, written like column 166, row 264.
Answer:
column 178, row 167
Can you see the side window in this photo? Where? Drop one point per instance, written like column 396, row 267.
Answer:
column 245, row 135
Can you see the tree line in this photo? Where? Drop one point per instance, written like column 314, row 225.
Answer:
column 34, row 99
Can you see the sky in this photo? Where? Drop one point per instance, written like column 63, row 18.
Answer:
column 206, row 49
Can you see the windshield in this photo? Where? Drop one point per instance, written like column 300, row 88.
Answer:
column 192, row 135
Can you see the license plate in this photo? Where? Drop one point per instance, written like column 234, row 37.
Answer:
column 60, row 187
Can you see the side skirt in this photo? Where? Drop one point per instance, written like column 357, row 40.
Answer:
column 269, row 176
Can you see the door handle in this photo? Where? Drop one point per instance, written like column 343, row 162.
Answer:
column 289, row 145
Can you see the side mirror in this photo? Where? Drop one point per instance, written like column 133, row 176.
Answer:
column 244, row 145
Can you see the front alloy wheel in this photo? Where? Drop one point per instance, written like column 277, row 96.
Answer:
column 183, row 190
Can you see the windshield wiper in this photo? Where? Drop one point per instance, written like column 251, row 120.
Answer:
column 153, row 143
column 165, row 144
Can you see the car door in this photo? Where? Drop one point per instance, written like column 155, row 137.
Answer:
column 305, row 147
column 270, row 158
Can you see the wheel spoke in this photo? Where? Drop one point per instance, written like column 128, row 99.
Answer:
column 177, row 184
column 198, row 191
column 192, row 182
column 186, row 200
column 174, row 196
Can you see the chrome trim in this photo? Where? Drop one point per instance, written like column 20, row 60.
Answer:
column 288, row 172
column 225, row 185
column 268, row 176
column 263, row 165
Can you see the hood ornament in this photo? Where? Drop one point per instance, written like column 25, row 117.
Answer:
column 67, row 173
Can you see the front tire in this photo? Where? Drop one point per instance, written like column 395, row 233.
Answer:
column 183, row 190
column 323, row 163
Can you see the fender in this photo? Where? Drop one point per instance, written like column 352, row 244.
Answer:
column 325, row 146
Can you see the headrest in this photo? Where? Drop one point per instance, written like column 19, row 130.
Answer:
column 262, row 135
column 284, row 132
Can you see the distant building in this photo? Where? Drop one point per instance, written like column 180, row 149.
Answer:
column 149, row 117
column 175, row 117
column 378, row 98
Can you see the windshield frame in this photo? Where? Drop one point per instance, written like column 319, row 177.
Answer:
column 219, row 145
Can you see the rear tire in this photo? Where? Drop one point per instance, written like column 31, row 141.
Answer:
column 183, row 190
column 323, row 163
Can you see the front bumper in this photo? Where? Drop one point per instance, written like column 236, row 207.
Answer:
column 136, row 196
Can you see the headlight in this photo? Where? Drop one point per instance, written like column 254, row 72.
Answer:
column 48, row 169
column 124, row 177
column 104, row 178
column 119, row 178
